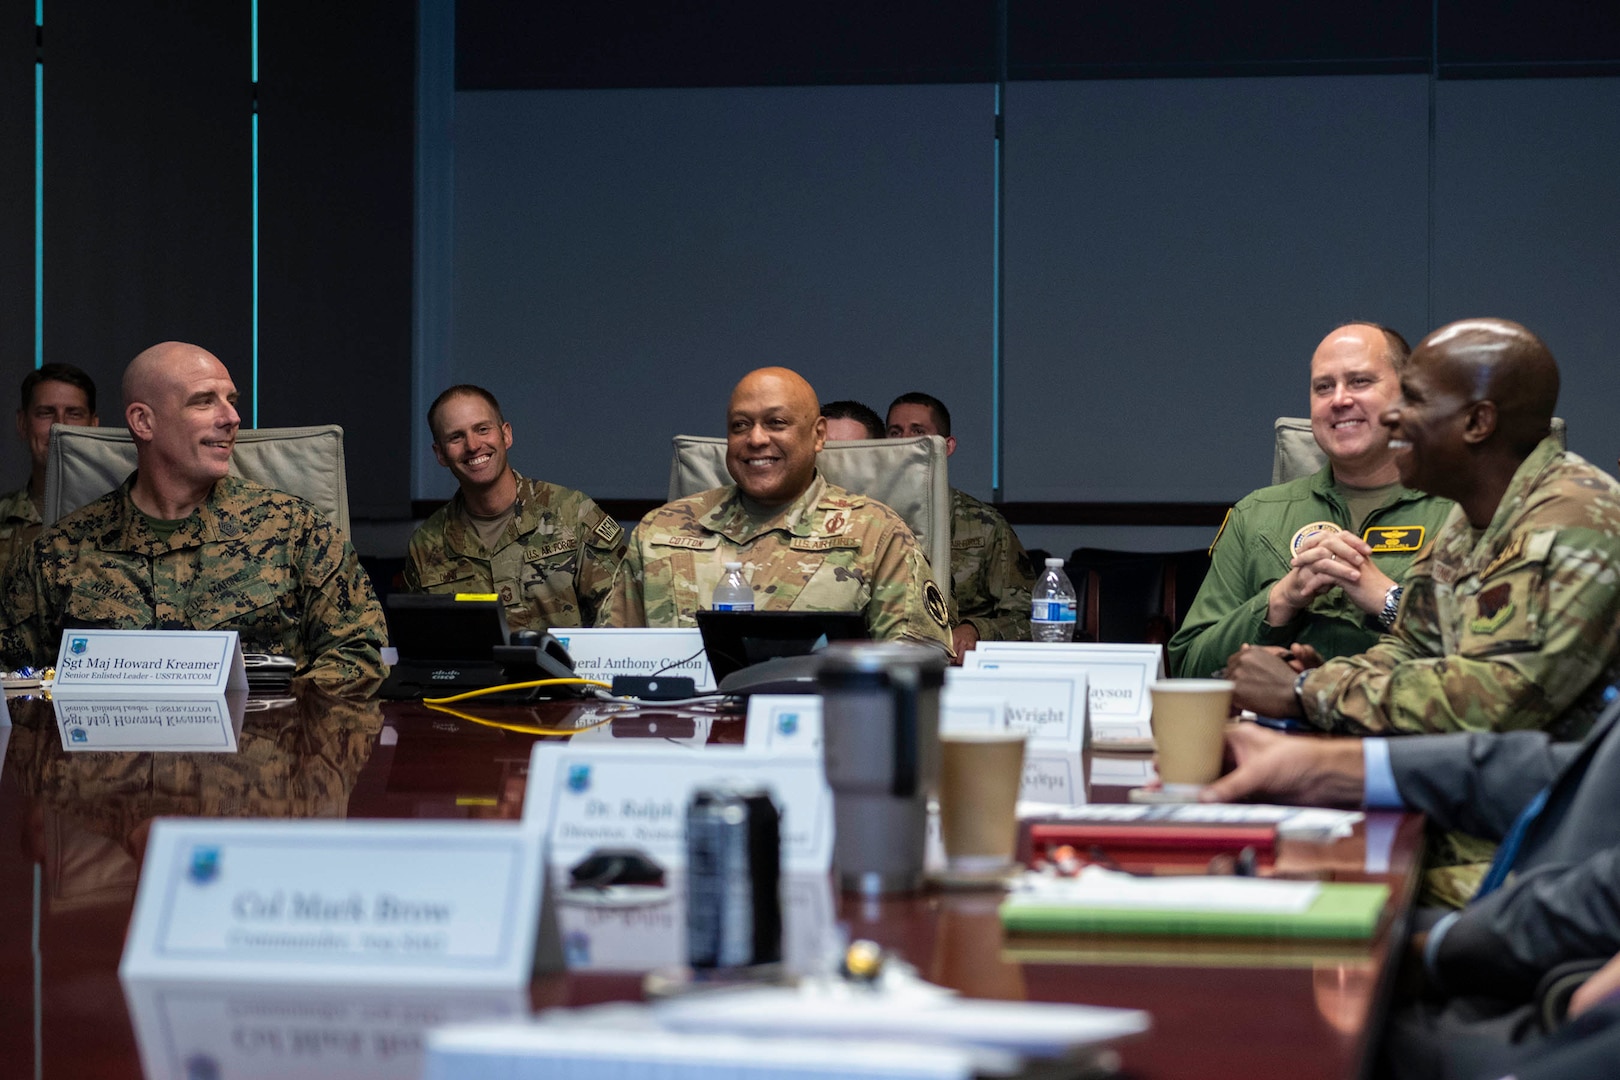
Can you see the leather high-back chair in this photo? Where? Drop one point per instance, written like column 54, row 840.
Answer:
column 84, row 463
column 907, row 475
column 1295, row 453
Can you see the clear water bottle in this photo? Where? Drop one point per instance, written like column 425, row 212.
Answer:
column 1052, row 607
column 734, row 593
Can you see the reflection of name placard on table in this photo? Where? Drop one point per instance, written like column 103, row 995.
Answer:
column 131, row 663
column 585, row 797
column 178, row 725
column 1118, row 677
column 318, row 1032
column 603, row 652
column 627, row 935
column 372, row 903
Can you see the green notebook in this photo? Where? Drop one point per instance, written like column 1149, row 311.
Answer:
column 1340, row 910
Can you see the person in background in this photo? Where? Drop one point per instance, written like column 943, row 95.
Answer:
column 850, row 420
column 991, row 574
column 51, row 394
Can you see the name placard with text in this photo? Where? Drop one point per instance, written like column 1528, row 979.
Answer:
column 131, row 663
column 603, row 652
column 584, row 797
column 1118, row 677
column 369, row 903
column 1049, row 705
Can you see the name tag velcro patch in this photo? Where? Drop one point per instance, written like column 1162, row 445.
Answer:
column 824, row 543
column 696, row 543
column 1394, row 537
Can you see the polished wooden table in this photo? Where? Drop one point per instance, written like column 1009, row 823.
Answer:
column 73, row 825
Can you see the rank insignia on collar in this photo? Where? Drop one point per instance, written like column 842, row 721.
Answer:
column 1307, row 531
column 1394, row 537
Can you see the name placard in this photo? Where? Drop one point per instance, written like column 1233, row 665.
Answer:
column 372, row 903
column 1049, row 704
column 316, row 1032
column 132, row 663
column 177, row 725
column 603, row 652
column 1117, row 676
column 585, row 797
column 784, row 724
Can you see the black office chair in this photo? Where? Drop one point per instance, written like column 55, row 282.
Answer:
column 1121, row 595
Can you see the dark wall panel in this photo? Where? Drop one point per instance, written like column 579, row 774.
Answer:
column 147, row 183
column 337, row 109
column 16, row 224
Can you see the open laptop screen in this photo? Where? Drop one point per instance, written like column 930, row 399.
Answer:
column 738, row 639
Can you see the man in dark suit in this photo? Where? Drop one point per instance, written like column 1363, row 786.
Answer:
column 1552, row 897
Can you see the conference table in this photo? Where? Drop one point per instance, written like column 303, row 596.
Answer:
column 73, row 825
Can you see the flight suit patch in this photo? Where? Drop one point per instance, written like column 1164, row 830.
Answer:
column 934, row 601
column 1394, row 537
column 1307, row 531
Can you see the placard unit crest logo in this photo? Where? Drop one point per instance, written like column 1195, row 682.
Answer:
column 579, row 779
column 787, row 723
column 78, row 645
column 204, row 864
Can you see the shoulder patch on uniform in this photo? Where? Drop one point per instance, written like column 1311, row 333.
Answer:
column 1494, row 607
column 609, row 530
column 1508, row 554
column 934, row 601
column 696, row 543
column 1394, row 537
column 824, row 543
column 1219, row 532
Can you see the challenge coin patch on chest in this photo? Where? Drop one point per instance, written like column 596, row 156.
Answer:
column 1315, row 528
column 1493, row 607
column 1394, row 537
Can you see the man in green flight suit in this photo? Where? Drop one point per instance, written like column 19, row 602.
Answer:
column 1272, row 576
column 991, row 576
column 805, row 544
column 547, row 551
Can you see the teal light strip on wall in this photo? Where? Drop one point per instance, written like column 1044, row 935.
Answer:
column 39, row 186
column 255, row 17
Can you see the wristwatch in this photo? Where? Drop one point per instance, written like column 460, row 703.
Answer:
column 1392, row 604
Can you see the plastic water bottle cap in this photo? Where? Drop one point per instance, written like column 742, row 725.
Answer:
column 733, row 566
column 1054, row 561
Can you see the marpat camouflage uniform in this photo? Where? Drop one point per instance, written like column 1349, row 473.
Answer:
column 19, row 524
column 827, row 550
column 261, row 562
column 553, row 567
column 1515, row 626
column 991, row 578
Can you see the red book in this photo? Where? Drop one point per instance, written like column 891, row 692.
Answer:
column 1153, row 834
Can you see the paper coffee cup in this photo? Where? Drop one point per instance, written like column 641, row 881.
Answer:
column 1189, row 729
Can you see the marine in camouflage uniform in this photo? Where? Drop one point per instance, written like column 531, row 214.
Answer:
column 261, row 562
column 1253, row 551
column 991, row 578
column 1517, row 626
column 827, row 550
column 19, row 524
column 553, row 566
